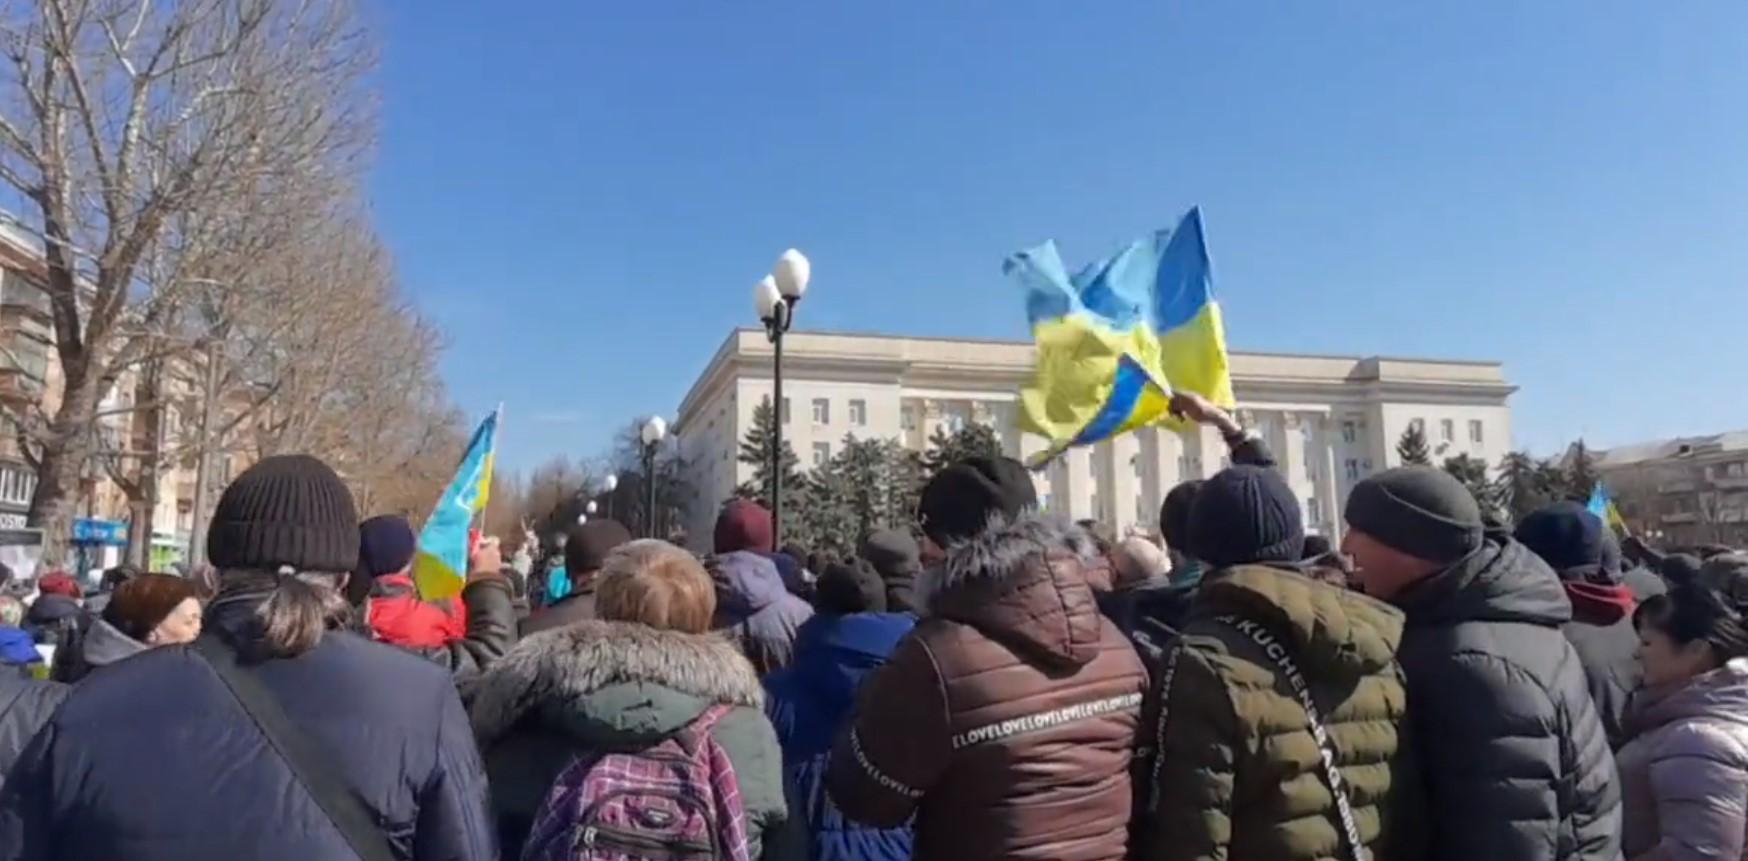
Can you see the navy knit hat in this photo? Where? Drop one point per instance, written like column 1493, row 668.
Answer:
column 1418, row 510
column 287, row 510
column 1174, row 516
column 958, row 503
column 385, row 545
column 1246, row 514
column 1571, row 540
column 587, row 545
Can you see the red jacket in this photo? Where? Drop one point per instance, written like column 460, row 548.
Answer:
column 397, row 616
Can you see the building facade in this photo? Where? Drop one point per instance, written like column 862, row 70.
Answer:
column 1682, row 492
column 1330, row 420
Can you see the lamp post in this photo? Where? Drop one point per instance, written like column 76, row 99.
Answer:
column 653, row 432
column 775, row 299
column 610, row 484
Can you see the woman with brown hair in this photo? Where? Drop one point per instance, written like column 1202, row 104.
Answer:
column 146, row 610
column 618, row 691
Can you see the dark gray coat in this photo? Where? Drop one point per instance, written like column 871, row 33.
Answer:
column 1515, row 759
column 25, row 705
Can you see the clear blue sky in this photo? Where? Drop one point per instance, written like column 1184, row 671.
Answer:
column 583, row 194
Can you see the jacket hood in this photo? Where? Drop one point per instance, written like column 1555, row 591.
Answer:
column 17, row 647
column 1501, row 582
column 1022, row 582
column 1597, row 604
column 611, row 683
column 746, row 583
column 105, row 644
column 1720, row 695
column 1333, row 631
column 833, row 654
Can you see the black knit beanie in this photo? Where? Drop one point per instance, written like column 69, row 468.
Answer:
column 1418, row 510
column 1246, row 514
column 1174, row 517
column 959, row 501
column 851, row 587
column 587, row 546
column 289, row 510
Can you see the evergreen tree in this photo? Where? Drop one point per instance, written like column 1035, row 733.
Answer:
column 1580, row 473
column 824, row 519
column 755, row 449
column 1526, row 484
column 1412, row 447
column 1472, row 472
column 972, row 440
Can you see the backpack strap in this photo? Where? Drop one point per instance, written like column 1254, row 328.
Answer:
column 1278, row 652
column 313, row 767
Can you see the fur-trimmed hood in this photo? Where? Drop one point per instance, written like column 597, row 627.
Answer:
column 610, row 682
column 1023, row 582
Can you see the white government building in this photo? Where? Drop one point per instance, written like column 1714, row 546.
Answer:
column 1331, row 420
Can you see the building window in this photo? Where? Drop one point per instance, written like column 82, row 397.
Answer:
column 1353, row 469
column 859, row 413
column 822, row 411
column 1447, row 430
column 822, row 453
column 1349, row 432
column 1475, row 433
column 907, row 419
column 785, row 410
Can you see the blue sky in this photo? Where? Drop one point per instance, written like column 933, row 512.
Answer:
column 583, row 194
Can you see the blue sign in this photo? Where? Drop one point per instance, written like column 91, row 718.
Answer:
column 89, row 531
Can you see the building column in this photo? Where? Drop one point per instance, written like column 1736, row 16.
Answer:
column 1289, row 445
column 1324, row 452
column 1115, row 461
column 1071, row 484
column 1160, row 450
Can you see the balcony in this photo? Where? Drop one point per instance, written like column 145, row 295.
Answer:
column 1681, row 517
column 1730, row 482
column 1686, row 485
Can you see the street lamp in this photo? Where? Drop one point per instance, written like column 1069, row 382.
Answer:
column 591, row 508
column 653, row 431
column 775, row 299
column 608, row 485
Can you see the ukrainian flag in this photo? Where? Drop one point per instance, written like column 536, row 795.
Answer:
column 440, row 565
column 1115, row 339
column 1602, row 505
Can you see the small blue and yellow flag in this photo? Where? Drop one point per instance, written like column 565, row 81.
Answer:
column 1602, row 505
column 1117, row 338
column 440, row 565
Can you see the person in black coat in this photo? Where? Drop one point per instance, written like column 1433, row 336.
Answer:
column 585, row 549
column 1513, row 754
column 170, row 765
column 1581, row 550
column 25, row 705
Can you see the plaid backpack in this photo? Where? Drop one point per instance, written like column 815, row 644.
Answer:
column 677, row 798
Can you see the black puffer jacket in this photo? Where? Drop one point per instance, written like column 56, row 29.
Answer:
column 25, row 705
column 154, row 758
column 1514, row 757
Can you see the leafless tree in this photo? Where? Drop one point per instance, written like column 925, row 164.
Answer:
column 119, row 118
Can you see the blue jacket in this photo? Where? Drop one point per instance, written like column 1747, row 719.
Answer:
column 18, row 647
column 154, row 759
column 809, row 703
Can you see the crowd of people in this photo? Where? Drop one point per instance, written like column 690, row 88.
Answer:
column 991, row 681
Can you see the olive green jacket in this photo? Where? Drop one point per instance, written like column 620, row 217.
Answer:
column 1236, row 773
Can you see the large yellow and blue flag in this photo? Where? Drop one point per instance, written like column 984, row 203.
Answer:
column 1115, row 339
column 440, row 565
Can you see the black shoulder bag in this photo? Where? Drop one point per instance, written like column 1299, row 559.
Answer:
column 311, row 765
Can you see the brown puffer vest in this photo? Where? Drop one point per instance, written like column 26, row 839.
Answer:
column 1006, row 721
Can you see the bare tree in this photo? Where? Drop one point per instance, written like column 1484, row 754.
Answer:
column 121, row 118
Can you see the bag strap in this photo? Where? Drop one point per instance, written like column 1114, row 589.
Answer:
column 312, row 766
column 1277, row 651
